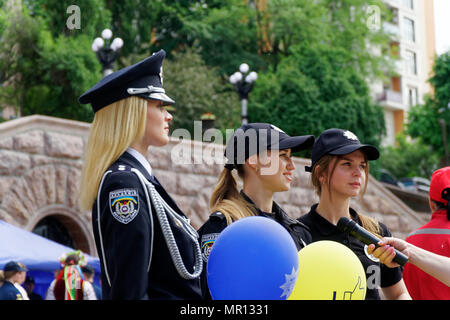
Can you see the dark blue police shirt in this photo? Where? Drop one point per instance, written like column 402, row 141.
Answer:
column 9, row 292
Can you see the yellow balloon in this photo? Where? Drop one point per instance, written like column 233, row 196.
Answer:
column 329, row 270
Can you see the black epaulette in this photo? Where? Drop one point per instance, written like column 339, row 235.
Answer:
column 217, row 214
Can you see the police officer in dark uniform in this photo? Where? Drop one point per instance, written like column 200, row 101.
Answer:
column 12, row 272
column 339, row 172
column 146, row 245
column 239, row 149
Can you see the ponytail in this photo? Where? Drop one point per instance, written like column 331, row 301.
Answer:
column 370, row 225
column 226, row 199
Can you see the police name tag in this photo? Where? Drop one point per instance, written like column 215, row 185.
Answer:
column 124, row 204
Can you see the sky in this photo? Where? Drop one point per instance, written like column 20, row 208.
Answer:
column 442, row 25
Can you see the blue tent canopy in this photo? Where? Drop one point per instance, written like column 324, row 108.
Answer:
column 40, row 255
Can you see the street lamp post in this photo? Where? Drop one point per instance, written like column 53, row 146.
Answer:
column 107, row 51
column 243, row 82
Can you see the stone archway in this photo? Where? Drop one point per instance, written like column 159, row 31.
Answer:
column 49, row 189
column 70, row 219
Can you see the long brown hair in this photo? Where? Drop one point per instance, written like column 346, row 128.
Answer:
column 321, row 168
column 227, row 199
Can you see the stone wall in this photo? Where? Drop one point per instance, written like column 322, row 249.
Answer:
column 40, row 168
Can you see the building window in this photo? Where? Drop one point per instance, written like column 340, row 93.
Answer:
column 411, row 62
column 408, row 27
column 409, row 4
column 413, row 96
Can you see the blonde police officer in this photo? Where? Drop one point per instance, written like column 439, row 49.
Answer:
column 146, row 245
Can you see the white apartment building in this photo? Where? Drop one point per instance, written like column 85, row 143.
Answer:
column 413, row 41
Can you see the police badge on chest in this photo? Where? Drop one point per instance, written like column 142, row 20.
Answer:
column 124, row 204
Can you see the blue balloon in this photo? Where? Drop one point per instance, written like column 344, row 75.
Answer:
column 254, row 258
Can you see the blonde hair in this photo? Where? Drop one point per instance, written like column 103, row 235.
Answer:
column 114, row 129
column 6, row 275
column 321, row 168
column 227, row 199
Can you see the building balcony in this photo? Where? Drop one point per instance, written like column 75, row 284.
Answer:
column 399, row 66
column 391, row 99
column 392, row 29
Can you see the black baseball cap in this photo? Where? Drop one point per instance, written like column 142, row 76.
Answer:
column 143, row 79
column 339, row 142
column 14, row 266
column 253, row 138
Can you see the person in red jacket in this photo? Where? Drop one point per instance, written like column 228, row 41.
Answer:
column 433, row 236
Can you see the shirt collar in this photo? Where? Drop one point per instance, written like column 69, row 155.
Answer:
column 142, row 160
column 324, row 226
column 246, row 198
column 276, row 209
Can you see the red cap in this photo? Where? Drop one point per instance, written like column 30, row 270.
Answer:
column 440, row 180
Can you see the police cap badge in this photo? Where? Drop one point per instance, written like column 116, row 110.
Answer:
column 339, row 142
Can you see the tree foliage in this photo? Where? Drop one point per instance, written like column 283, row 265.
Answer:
column 409, row 159
column 313, row 58
column 311, row 92
column 424, row 120
column 202, row 91
column 49, row 69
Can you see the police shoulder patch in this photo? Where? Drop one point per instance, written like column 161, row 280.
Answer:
column 207, row 243
column 124, row 204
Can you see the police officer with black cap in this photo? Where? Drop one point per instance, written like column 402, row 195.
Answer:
column 339, row 172
column 146, row 245
column 13, row 272
column 261, row 155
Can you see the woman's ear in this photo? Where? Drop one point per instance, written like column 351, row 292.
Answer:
column 252, row 162
column 322, row 178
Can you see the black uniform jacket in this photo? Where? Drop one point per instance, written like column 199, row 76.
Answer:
column 377, row 274
column 123, row 240
column 217, row 222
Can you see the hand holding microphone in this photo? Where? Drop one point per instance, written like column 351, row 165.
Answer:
column 351, row 227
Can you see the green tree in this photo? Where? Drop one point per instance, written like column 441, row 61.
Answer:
column 424, row 120
column 67, row 69
column 409, row 159
column 94, row 16
column 313, row 60
column 18, row 53
column 50, row 66
column 227, row 35
column 198, row 89
column 147, row 26
column 313, row 90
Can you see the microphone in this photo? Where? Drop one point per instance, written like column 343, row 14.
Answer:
column 351, row 227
